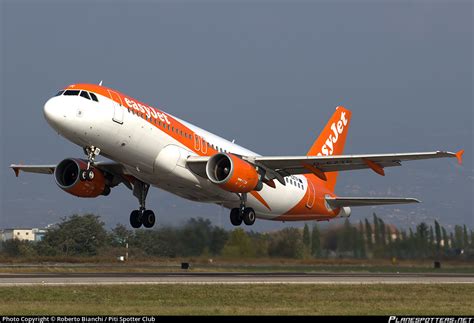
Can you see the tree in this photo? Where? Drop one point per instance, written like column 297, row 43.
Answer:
column 18, row 248
column 287, row 243
column 219, row 237
column 196, row 236
column 77, row 236
column 389, row 235
column 383, row 235
column 438, row 237
column 120, row 235
column 458, row 237
column 306, row 237
column 445, row 238
column 368, row 234
column 465, row 237
column 345, row 237
column 411, row 244
column 431, row 239
column 238, row 245
column 360, row 234
column 260, row 243
column 422, row 238
column 315, row 242
column 376, row 230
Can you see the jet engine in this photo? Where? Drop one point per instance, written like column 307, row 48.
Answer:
column 67, row 176
column 232, row 173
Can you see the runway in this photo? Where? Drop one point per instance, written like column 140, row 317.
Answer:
column 21, row 279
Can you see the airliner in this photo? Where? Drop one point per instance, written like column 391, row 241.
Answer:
column 146, row 146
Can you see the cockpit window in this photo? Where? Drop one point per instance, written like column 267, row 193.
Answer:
column 71, row 92
column 85, row 94
column 94, row 97
column 59, row 93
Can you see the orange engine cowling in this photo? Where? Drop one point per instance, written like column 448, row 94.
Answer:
column 232, row 173
column 67, row 177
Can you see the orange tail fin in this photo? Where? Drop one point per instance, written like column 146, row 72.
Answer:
column 331, row 140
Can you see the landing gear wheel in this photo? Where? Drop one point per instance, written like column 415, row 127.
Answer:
column 135, row 219
column 148, row 218
column 235, row 217
column 83, row 175
column 145, row 217
column 249, row 216
column 90, row 175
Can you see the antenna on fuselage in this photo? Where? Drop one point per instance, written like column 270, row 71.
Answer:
column 100, row 83
column 233, row 140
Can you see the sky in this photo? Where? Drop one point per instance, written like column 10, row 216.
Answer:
column 267, row 74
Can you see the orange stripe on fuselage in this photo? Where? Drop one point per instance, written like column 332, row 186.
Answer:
column 260, row 199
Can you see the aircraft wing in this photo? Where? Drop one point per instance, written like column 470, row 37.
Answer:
column 281, row 166
column 336, row 202
column 310, row 164
column 115, row 169
column 40, row 169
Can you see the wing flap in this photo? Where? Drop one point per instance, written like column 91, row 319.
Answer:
column 336, row 202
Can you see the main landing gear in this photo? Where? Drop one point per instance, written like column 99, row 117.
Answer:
column 242, row 213
column 88, row 174
column 142, row 215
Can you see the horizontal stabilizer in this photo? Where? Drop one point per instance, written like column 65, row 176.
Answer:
column 336, row 202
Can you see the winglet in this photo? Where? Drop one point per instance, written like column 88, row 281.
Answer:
column 16, row 170
column 459, row 156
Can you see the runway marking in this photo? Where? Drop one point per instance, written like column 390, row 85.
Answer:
column 64, row 279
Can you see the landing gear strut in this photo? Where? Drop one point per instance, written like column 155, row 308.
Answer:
column 92, row 152
column 242, row 213
column 142, row 215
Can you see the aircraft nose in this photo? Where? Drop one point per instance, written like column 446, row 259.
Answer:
column 52, row 112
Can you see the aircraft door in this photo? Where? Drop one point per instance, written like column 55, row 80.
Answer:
column 118, row 108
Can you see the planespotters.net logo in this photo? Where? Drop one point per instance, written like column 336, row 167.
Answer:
column 419, row 319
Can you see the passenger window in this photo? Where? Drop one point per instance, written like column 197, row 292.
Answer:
column 71, row 92
column 84, row 94
column 94, row 97
column 59, row 93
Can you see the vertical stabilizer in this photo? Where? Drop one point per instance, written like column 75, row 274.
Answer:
column 331, row 140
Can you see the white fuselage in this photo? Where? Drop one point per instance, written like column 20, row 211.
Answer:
column 152, row 155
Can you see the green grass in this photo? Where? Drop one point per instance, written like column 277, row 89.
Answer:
column 181, row 299
column 230, row 267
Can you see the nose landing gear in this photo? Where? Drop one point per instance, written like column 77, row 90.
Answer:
column 88, row 174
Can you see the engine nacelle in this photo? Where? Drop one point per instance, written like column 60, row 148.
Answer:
column 232, row 173
column 67, row 176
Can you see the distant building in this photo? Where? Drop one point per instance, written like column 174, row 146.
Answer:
column 33, row 234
